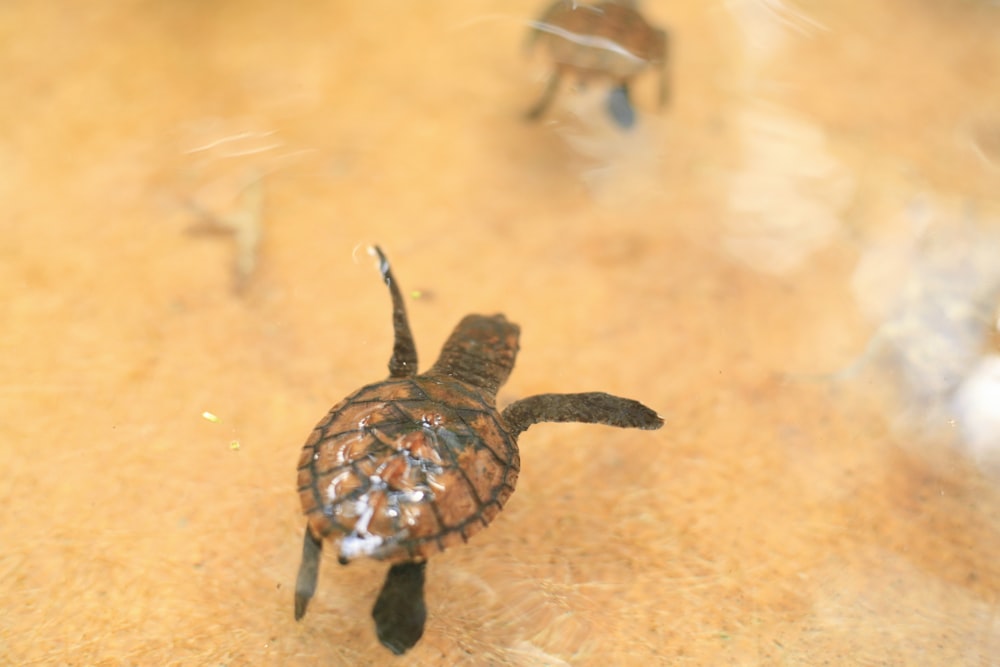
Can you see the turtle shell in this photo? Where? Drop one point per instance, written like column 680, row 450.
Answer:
column 605, row 39
column 403, row 468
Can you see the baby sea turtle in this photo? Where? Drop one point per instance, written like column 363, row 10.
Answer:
column 605, row 40
column 407, row 466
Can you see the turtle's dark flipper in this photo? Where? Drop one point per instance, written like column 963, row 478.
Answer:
column 589, row 408
column 620, row 107
column 305, row 583
column 664, row 74
column 403, row 362
column 535, row 112
column 400, row 612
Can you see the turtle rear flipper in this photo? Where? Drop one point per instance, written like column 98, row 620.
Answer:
column 589, row 408
column 400, row 611
column 620, row 107
column 305, row 583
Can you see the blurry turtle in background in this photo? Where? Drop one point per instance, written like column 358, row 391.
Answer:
column 405, row 467
column 606, row 40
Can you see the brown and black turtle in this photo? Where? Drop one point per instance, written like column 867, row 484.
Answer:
column 407, row 466
column 607, row 40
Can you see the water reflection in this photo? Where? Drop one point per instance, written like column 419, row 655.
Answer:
column 933, row 289
column 984, row 137
column 223, row 182
column 617, row 166
column 786, row 200
column 767, row 25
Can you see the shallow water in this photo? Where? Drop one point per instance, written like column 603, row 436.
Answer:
column 794, row 263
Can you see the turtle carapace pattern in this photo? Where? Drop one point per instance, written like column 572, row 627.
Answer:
column 607, row 40
column 408, row 466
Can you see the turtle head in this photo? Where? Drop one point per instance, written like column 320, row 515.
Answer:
column 480, row 351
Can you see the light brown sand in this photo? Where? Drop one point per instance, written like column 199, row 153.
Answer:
column 702, row 264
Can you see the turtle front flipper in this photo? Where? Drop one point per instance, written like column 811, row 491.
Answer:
column 305, row 583
column 400, row 611
column 588, row 408
column 404, row 351
column 664, row 51
column 542, row 105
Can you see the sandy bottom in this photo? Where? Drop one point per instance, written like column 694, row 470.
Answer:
column 795, row 263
